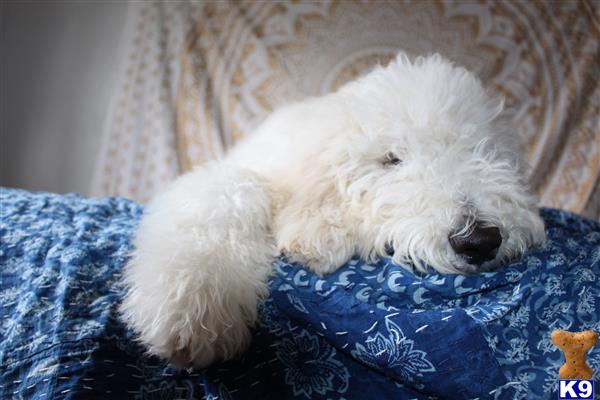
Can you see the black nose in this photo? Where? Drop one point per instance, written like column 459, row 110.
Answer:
column 479, row 246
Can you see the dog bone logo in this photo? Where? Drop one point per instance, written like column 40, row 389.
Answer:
column 574, row 346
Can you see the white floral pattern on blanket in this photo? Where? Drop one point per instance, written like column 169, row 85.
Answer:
column 394, row 349
column 310, row 367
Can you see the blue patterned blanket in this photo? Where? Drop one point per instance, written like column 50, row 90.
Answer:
column 368, row 331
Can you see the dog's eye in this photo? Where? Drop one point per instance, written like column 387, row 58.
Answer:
column 391, row 159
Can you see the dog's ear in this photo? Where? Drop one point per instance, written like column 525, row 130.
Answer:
column 311, row 225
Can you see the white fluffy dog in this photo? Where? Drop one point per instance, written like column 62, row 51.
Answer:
column 412, row 160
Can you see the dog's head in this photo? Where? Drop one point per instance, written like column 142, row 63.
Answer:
column 422, row 167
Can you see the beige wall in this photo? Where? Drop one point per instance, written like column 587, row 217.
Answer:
column 58, row 68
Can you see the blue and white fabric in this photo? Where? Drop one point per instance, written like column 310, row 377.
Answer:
column 374, row 331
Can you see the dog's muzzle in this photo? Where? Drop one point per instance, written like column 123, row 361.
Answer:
column 479, row 246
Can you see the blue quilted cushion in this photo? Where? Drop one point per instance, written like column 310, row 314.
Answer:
column 367, row 331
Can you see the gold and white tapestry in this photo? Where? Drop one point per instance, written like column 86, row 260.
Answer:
column 199, row 76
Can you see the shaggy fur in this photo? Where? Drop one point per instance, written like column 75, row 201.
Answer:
column 400, row 159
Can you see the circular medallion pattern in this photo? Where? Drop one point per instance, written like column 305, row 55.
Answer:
column 237, row 61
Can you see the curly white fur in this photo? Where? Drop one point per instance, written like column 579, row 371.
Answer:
column 315, row 182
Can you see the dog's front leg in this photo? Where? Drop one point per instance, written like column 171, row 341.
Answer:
column 203, row 252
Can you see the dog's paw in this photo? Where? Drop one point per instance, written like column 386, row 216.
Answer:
column 192, row 324
column 200, row 346
column 322, row 253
